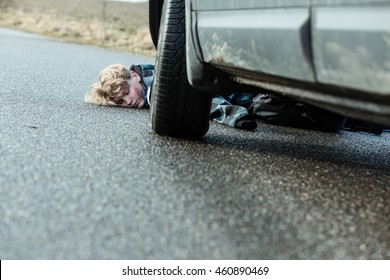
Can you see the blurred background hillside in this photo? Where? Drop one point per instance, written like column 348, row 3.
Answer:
column 104, row 23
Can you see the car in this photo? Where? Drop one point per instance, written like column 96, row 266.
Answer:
column 333, row 54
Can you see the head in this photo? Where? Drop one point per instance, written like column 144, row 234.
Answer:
column 117, row 86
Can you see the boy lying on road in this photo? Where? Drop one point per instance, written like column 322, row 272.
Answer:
column 120, row 86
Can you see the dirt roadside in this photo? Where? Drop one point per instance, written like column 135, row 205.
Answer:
column 106, row 28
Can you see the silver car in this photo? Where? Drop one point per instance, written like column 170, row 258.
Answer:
column 334, row 54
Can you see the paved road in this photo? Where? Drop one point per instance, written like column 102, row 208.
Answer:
column 85, row 182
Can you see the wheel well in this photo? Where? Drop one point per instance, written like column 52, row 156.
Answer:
column 155, row 12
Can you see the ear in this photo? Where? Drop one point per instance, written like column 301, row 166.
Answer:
column 134, row 74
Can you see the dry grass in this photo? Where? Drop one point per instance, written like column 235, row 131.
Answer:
column 120, row 26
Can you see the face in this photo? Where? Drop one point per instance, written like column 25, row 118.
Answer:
column 132, row 96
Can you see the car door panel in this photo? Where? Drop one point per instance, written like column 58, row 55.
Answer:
column 346, row 2
column 214, row 5
column 271, row 41
column 351, row 47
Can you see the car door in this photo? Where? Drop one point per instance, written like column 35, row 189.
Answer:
column 269, row 37
column 351, row 44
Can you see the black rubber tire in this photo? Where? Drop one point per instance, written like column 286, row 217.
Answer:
column 177, row 109
column 155, row 11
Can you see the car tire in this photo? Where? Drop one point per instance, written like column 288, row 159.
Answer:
column 155, row 11
column 177, row 109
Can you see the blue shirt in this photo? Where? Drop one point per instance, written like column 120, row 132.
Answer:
column 146, row 92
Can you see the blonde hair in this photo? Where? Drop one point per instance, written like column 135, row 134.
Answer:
column 112, row 82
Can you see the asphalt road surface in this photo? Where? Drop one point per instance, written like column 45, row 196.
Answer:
column 79, row 181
